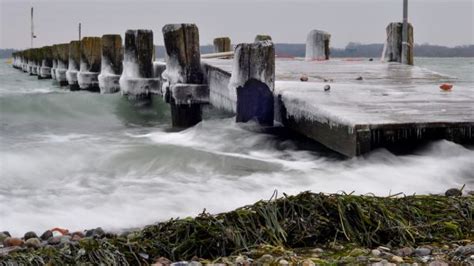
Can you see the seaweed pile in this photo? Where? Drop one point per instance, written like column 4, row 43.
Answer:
column 306, row 220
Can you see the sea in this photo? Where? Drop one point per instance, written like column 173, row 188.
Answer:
column 81, row 160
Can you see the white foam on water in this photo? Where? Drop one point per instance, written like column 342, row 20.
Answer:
column 72, row 160
column 131, row 179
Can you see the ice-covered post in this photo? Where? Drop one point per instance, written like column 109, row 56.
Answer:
column 24, row 61
column 253, row 78
column 54, row 50
column 89, row 69
column 63, row 62
column 222, row 44
column 39, row 59
column 317, row 45
column 46, row 63
column 111, row 65
column 393, row 51
column 184, row 78
column 34, row 62
column 262, row 37
column 74, row 64
column 137, row 80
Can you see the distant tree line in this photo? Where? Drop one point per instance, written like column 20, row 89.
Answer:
column 351, row 50
column 6, row 53
column 375, row 50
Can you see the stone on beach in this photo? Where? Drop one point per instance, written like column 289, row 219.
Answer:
column 46, row 235
column 33, row 242
column 453, row 192
column 13, row 242
column 29, row 235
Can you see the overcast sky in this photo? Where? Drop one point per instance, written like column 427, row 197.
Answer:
column 443, row 22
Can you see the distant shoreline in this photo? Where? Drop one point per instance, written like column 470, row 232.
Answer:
column 351, row 50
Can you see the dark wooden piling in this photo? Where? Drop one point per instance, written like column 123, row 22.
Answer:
column 33, row 62
column 137, row 81
column 54, row 50
column 45, row 63
column 262, row 37
column 317, row 45
column 253, row 78
column 111, row 65
column 63, row 62
column 74, row 65
column 393, row 51
column 183, row 74
column 90, row 65
column 222, row 44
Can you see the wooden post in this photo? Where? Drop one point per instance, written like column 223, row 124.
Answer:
column 253, row 78
column 63, row 62
column 222, row 44
column 33, row 61
column 54, row 50
column 317, row 45
column 137, row 80
column 46, row 63
column 74, row 65
column 89, row 70
column 24, row 65
column 111, row 65
column 183, row 74
column 262, row 37
column 394, row 43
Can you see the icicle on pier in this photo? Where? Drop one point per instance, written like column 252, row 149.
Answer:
column 351, row 106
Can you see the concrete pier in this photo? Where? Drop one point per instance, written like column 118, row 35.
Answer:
column 184, row 79
column 90, row 66
column 62, row 63
column 74, row 65
column 317, row 45
column 394, row 44
column 222, row 44
column 111, row 64
column 395, row 106
column 46, row 63
column 137, row 81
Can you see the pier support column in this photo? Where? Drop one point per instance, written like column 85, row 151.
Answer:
column 63, row 62
column 185, row 89
column 137, row 79
column 253, row 78
column 262, row 37
column 74, row 65
column 222, row 44
column 54, row 50
column 111, row 65
column 317, row 45
column 34, row 61
column 393, row 51
column 46, row 63
column 89, row 70
column 24, row 61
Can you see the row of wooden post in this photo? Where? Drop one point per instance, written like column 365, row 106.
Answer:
column 104, row 64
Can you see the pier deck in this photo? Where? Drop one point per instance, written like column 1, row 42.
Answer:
column 393, row 105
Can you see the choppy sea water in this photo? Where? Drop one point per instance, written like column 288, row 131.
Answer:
column 80, row 160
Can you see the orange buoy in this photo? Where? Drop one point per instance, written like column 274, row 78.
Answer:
column 446, row 86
